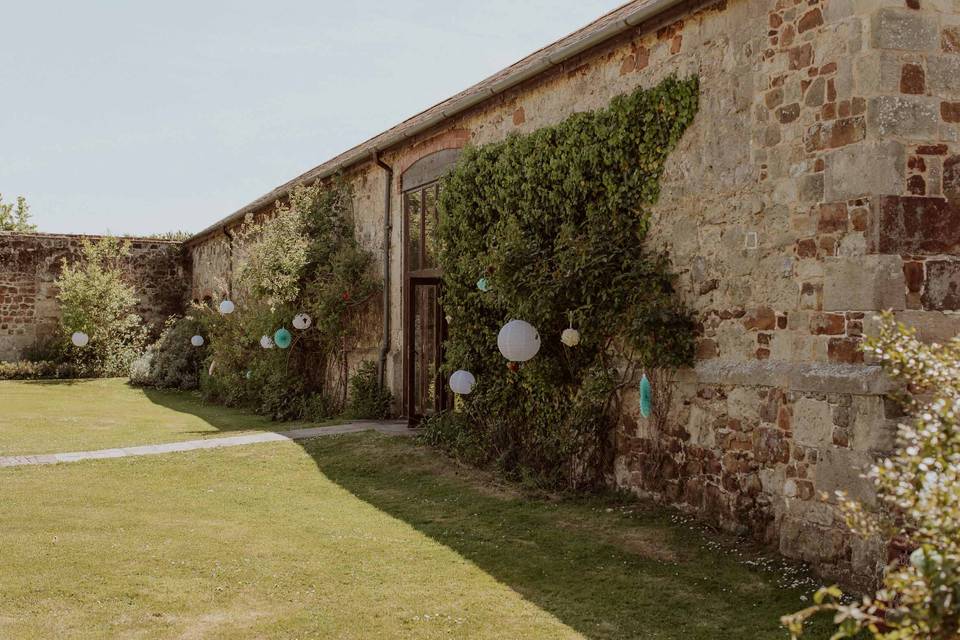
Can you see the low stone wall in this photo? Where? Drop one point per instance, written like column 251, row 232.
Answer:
column 31, row 263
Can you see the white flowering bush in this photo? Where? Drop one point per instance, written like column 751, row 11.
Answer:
column 919, row 488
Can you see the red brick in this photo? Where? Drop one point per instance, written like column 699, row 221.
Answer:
column 833, row 217
column 844, row 350
column 913, row 273
column 950, row 111
column 807, row 248
column 761, row 318
column 932, row 150
column 801, row 57
column 828, row 324
column 915, row 225
column 916, row 186
column 810, row 20
column 519, row 116
column 912, row 79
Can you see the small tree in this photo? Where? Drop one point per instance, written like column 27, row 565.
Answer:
column 15, row 217
column 919, row 486
column 96, row 299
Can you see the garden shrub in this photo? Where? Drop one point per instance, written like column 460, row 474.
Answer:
column 304, row 259
column 171, row 362
column 36, row 370
column 555, row 222
column 918, row 488
column 368, row 398
column 96, row 298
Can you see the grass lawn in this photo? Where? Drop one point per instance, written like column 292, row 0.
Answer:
column 360, row 536
column 49, row 416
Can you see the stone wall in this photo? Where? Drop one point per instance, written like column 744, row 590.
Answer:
column 31, row 263
column 819, row 184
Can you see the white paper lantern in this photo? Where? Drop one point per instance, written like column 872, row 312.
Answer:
column 518, row 341
column 197, row 341
column 266, row 342
column 302, row 321
column 570, row 337
column 227, row 307
column 80, row 339
column 462, row 382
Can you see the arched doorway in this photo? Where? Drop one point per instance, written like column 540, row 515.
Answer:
column 424, row 325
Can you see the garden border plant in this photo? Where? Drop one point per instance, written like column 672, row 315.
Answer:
column 555, row 222
column 304, row 258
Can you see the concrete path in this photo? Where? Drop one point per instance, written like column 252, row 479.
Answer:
column 395, row 427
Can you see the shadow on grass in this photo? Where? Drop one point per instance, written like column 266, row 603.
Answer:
column 607, row 566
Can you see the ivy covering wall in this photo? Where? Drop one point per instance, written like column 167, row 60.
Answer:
column 555, row 221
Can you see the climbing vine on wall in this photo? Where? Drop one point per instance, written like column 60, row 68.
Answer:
column 556, row 221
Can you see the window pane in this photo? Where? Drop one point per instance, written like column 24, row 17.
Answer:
column 430, row 222
column 413, row 229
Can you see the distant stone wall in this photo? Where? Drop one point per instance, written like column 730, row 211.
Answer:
column 31, row 263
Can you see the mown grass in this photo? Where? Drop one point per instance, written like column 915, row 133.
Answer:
column 47, row 416
column 360, row 536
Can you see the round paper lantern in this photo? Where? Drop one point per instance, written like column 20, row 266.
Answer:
column 197, row 341
column 461, row 382
column 570, row 337
column 483, row 285
column 227, row 307
column 80, row 339
column 302, row 321
column 266, row 342
column 518, row 341
column 282, row 338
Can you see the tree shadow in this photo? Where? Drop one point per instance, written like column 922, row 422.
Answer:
column 607, row 566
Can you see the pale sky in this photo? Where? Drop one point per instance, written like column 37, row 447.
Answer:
column 141, row 117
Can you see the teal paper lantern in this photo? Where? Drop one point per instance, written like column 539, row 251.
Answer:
column 646, row 397
column 483, row 285
column 282, row 338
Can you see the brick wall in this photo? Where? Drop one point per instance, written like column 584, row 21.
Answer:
column 31, row 263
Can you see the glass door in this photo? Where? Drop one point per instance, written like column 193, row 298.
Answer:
column 424, row 323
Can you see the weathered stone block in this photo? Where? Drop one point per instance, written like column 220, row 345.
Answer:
column 905, row 30
column 914, row 225
column 863, row 169
column 942, row 291
column 834, row 134
column 843, row 470
column 943, row 74
column 909, row 117
column 812, row 422
column 865, row 283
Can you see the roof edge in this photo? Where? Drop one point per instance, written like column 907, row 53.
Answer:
column 611, row 24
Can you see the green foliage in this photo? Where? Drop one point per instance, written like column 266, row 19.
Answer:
column 368, row 399
column 171, row 362
column 919, row 487
column 555, row 222
column 16, row 217
column 305, row 259
column 95, row 298
column 35, row 370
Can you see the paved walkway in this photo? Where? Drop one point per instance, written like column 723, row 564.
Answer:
column 394, row 427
